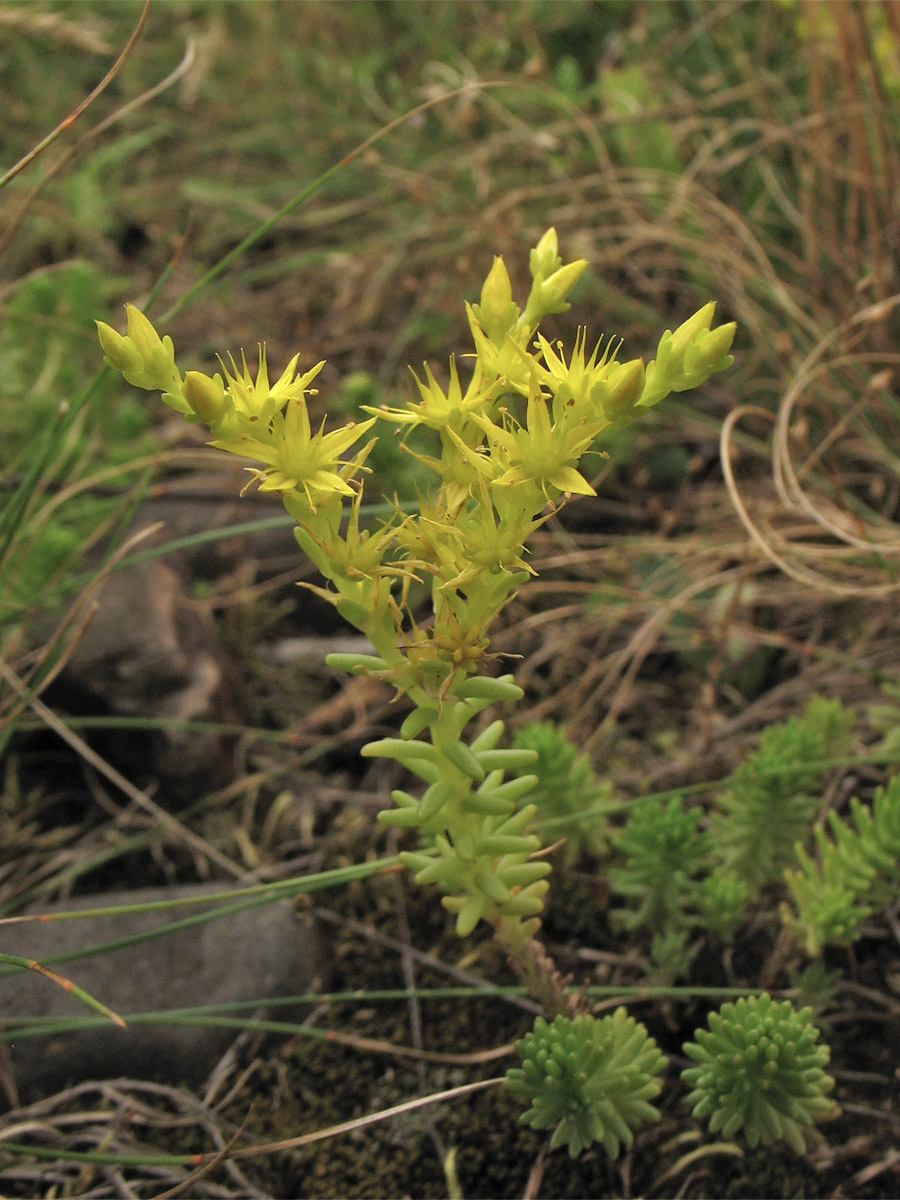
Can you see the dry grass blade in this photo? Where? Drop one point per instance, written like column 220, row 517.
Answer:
column 116, row 1116
column 373, row 1045
column 73, row 116
column 308, row 1139
column 862, row 550
column 180, row 1188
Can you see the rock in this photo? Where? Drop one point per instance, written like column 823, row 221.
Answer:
column 148, row 653
column 257, row 953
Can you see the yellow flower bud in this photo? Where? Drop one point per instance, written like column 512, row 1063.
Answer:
column 622, row 388
column 206, row 396
column 696, row 350
column 118, row 351
column 496, row 293
column 553, row 291
column 687, row 357
column 143, row 358
column 544, row 258
column 710, row 352
column 497, row 313
column 688, row 332
column 157, row 354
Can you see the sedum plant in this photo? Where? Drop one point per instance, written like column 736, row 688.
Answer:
column 771, row 798
column 664, row 851
column 679, row 875
column 856, row 872
column 592, row 1078
column 508, row 448
column 759, row 1069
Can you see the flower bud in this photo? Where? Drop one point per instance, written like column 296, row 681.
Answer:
column 709, row 353
column 690, row 330
column 622, row 388
column 157, row 354
column 553, row 291
column 544, row 259
column 688, row 356
column 695, row 351
column 497, row 313
column 118, row 351
column 141, row 356
column 206, row 396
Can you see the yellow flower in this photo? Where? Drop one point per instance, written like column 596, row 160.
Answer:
column 542, row 453
column 255, row 397
column 487, row 544
column 571, row 382
column 296, row 458
column 440, row 410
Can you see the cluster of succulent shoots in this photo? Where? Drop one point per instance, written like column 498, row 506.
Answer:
column 760, row 1070
column 591, row 1078
column 506, row 449
column 855, row 872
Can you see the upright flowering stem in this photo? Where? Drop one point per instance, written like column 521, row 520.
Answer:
column 509, row 448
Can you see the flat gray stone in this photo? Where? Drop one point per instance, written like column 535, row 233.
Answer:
column 260, row 952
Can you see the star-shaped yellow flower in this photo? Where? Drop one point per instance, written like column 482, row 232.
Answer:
column 296, row 458
column 543, row 452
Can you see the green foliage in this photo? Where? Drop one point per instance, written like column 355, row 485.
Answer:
column 54, row 547
column 48, row 438
column 885, row 718
column 46, row 356
column 722, row 901
column 682, row 879
column 816, row 986
column 649, row 144
column 857, row 870
column 567, row 788
column 770, row 801
column 592, row 1078
column 760, row 1069
column 665, row 851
